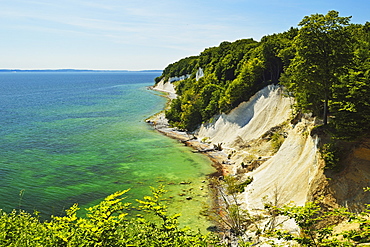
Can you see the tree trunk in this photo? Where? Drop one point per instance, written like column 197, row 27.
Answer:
column 325, row 117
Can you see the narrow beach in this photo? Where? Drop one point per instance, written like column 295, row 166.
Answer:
column 160, row 123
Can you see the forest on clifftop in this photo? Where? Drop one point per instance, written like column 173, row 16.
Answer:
column 324, row 64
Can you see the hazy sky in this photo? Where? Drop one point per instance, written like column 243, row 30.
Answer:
column 142, row 34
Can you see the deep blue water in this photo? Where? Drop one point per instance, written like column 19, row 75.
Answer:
column 76, row 137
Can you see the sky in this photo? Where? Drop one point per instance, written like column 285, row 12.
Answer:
column 143, row 34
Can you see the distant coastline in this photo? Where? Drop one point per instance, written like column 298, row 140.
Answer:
column 76, row 70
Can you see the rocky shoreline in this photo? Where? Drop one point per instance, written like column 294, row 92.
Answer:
column 218, row 157
column 160, row 123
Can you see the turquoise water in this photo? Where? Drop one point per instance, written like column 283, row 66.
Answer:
column 77, row 137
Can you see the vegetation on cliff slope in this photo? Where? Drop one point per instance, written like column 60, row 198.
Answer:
column 329, row 74
column 233, row 72
column 324, row 64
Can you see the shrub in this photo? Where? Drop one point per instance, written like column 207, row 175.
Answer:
column 105, row 224
column 233, row 186
column 330, row 153
column 277, row 140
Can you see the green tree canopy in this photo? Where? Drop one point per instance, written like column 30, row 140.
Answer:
column 233, row 72
column 323, row 53
column 351, row 102
column 324, row 64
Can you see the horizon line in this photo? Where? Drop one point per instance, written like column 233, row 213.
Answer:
column 78, row 70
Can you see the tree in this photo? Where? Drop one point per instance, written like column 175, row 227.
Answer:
column 174, row 113
column 323, row 52
column 248, row 82
column 351, row 101
column 313, row 221
column 208, row 100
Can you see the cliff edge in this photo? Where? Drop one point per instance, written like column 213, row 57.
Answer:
column 262, row 139
column 262, row 143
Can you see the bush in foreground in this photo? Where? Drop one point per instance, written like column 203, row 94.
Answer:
column 105, row 224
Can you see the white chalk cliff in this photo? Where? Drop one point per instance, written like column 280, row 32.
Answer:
column 266, row 109
column 287, row 173
column 294, row 172
column 167, row 87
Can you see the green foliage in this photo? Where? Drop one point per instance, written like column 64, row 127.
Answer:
column 158, row 79
column 22, row 229
column 324, row 50
column 105, row 224
column 184, row 66
column 351, row 106
column 277, row 140
column 228, row 212
column 312, row 220
column 330, row 152
column 166, row 233
column 174, row 113
column 233, row 186
column 233, row 72
column 316, row 229
column 324, row 64
column 351, row 101
column 246, row 84
column 362, row 234
column 330, row 71
column 208, row 99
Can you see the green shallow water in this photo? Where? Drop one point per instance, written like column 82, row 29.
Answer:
column 75, row 138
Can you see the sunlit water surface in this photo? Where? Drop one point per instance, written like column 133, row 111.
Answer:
column 72, row 137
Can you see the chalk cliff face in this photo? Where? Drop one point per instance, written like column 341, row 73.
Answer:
column 165, row 86
column 346, row 186
column 285, row 174
column 295, row 172
column 291, row 171
column 266, row 109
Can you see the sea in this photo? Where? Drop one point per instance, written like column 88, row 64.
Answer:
column 77, row 137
